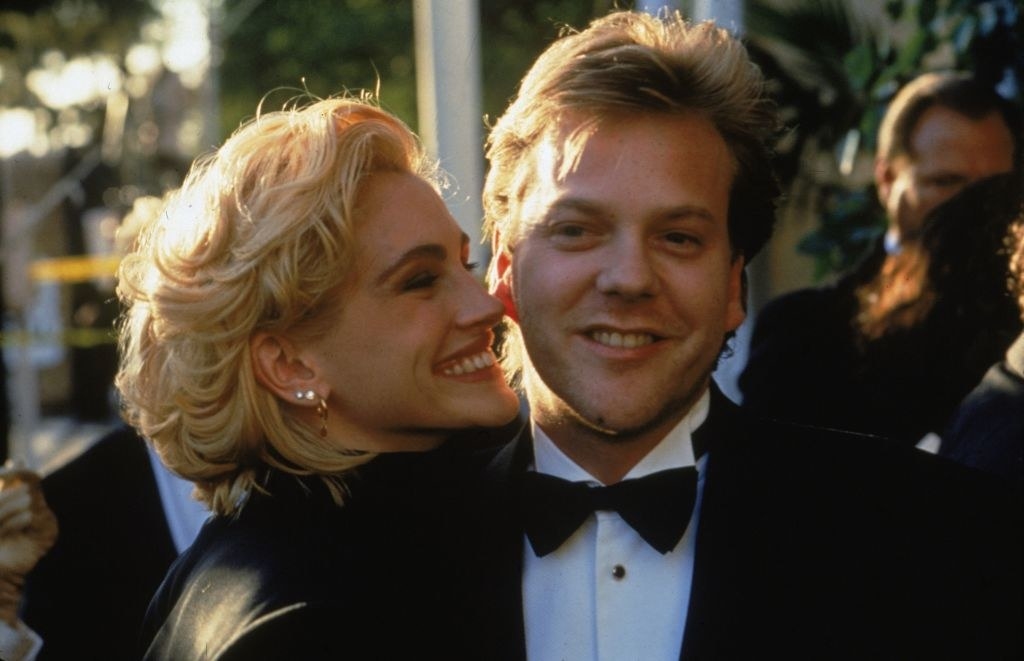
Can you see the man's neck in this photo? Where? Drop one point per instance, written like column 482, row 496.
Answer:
column 608, row 461
column 607, row 456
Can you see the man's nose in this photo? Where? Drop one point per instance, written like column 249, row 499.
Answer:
column 628, row 270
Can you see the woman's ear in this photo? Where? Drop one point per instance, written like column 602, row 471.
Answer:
column 280, row 368
column 500, row 279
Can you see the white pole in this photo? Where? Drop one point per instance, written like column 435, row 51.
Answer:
column 655, row 6
column 448, row 88
column 726, row 13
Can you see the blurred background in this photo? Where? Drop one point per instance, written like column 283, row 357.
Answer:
column 105, row 103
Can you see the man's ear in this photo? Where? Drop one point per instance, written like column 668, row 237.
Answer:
column 280, row 368
column 736, row 307
column 499, row 277
column 884, row 177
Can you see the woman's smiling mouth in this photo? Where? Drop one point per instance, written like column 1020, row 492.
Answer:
column 470, row 364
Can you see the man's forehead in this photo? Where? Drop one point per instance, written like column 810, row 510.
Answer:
column 940, row 127
column 559, row 149
column 547, row 162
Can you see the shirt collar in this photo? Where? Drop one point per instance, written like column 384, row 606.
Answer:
column 674, row 451
column 892, row 241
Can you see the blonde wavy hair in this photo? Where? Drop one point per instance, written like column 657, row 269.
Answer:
column 631, row 64
column 258, row 238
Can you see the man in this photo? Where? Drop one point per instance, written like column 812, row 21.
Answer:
column 124, row 518
column 836, row 356
column 629, row 185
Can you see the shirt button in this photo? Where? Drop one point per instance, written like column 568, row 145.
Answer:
column 618, row 572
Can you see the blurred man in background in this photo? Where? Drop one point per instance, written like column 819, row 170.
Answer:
column 824, row 356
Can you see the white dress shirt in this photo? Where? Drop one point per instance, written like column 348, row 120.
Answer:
column 18, row 642
column 605, row 594
column 185, row 515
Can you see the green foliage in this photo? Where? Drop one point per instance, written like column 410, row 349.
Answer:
column 265, row 52
column 851, row 222
column 31, row 28
column 286, row 48
column 514, row 32
column 327, row 46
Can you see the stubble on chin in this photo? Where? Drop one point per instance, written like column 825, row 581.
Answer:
column 560, row 418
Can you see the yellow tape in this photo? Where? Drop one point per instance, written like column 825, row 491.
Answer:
column 74, row 269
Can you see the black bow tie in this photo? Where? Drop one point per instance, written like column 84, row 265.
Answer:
column 658, row 506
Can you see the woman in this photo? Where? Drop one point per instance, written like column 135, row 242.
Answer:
column 937, row 315
column 302, row 308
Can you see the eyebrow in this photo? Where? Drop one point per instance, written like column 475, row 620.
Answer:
column 425, row 251
column 594, row 208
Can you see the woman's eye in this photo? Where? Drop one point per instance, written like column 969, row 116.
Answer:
column 419, row 281
column 471, row 266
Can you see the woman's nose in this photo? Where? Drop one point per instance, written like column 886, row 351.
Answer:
column 476, row 306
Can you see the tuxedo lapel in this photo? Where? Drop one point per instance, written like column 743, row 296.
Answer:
column 771, row 550
column 498, row 606
column 717, row 554
column 738, row 534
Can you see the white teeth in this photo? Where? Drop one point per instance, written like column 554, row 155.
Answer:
column 469, row 364
column 622, row 340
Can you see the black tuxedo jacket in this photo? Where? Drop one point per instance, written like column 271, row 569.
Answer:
column 88, row 595
column 987, row 429
column 294, row 576
column 811, row 544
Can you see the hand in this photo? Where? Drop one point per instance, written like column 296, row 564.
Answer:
column 28, row 529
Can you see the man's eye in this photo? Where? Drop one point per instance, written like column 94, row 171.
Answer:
column 949, row 181
column 571, row 235
column 419, row 281
column 680, row 238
